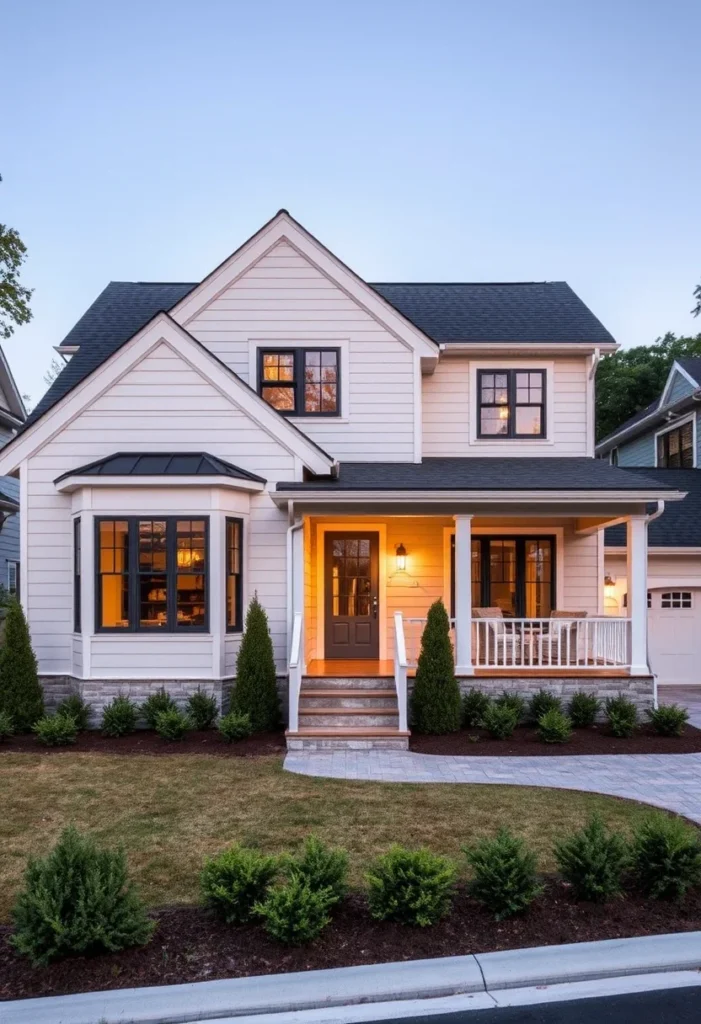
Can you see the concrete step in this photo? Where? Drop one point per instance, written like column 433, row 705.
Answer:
column 357, row 699
column 362, row 718
column 347, row 739
column 347, row 683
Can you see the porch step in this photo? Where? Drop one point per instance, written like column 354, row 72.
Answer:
column 363, row 718
column 371, row 738
column 347, row 682
column 317, row 692
column 374, row 700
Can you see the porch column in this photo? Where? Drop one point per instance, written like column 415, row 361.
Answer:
column 637, row 593
column 298, row 579
column 463, row 596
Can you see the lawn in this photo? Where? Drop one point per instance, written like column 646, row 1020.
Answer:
column 169, row 812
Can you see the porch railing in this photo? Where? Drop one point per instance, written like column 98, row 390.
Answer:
column 296, row 666
column 587, row 644
column 401, row 665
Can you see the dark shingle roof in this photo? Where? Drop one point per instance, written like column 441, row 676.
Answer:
column 679, row 526
column 535, row 311
column 483, row 473
column 692, row 365
column 162, row 464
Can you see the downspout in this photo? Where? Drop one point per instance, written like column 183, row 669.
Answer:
column 591, row 403
column 295, row 525
column 650, row 519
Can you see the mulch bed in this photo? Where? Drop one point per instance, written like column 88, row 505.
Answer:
column 525, row 743
column 190, row 945
column 147, row 742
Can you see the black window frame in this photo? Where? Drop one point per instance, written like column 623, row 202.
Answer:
column 521, row 539
column 662, row 438
column 13, row 562
column 512, row 405
column 297, row 384
column 237, row 626
column 172, row 627
column 77, row 569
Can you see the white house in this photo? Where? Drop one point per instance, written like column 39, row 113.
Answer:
column 350, row 452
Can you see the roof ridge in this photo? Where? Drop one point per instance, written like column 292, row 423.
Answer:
column 460, row 284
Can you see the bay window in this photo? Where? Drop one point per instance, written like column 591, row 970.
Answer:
column 234, row 575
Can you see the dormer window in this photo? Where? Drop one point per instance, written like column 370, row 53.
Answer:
column 675, row 447
column 511, row 404
column 300, row 381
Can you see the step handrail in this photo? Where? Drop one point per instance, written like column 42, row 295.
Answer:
column 400, row 670
column 295, row 672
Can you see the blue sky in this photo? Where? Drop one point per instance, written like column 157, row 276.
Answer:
column 430, row 140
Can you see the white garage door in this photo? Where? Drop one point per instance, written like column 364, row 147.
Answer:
column 675, row 635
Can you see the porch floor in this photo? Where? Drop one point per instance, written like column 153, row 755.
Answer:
column 348, row 668
column 339, row 668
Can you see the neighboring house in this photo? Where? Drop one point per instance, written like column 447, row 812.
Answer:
column 12, row 416
column 349, row 452
column 661, row 442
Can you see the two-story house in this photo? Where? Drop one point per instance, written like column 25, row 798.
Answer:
column 348, row 451
column 661, row 443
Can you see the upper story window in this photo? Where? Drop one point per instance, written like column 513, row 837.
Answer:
column 511, row 403
column 300, row 381
column 152, row 574
column 613, row 456
column 675, row 448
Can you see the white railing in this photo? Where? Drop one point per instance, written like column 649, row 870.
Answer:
column 295, row 673
column 400, row 670
column 587, row 644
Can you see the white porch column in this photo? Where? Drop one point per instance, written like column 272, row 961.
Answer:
column 298, row 579
column 463, row 596
column 637, row 593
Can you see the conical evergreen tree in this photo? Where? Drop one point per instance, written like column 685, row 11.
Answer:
column 21, row 695
column 255, row 692
column 436, row 701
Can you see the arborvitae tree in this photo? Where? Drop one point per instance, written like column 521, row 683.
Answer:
column 436, row 701
column 21, row 695
column 255, row 692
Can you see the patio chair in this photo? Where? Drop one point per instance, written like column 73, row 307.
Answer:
column 499, row 641
column 560, row 644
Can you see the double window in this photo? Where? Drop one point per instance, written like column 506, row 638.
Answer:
column 515, row 574
column 152, row 574
column 675, row 448
column 300, row 381
column 510, row 403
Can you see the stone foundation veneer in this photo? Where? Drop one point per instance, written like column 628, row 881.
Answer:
column 638, row 689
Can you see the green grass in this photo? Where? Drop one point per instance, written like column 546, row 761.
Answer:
column 169, row 812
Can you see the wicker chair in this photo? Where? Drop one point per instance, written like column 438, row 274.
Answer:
column 560, row 645
column 503, row 641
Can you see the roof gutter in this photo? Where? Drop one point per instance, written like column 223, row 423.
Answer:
column 537, row 347
column 657, row 415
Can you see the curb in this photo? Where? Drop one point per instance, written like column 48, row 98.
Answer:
column 377, row 983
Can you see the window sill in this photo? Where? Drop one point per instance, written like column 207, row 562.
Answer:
column 331, row 418
column 511, row 440
column 142, row 634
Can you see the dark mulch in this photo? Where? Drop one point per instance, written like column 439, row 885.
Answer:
column 524, row 742
column 147, row 742
column 190, row 945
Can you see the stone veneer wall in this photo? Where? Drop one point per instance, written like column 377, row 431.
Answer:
column 639, row 689
column 99, row 692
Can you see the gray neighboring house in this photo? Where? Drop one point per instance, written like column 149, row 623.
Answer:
column 12, row 416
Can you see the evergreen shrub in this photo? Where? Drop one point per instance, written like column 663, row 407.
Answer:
column 235, row 880
column 21, row 695
column 119, row 717
column 505, row 879
column 414, row 887
column 593, row 861
column 436, row 704
column 255, row 691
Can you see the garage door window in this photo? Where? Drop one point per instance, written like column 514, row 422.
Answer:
column 676, row 599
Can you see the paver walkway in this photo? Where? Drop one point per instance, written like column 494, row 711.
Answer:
column 672, row 781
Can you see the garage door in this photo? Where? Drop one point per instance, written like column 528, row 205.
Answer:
column 675, row 635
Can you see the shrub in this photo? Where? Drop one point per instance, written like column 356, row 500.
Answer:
column 505, row 878
column 7, row 727
column 474, row 706
column 436, row 705
column 21, row 695
column 542, row 702
column 235, row 727
column 235, row 880
column 56, row 730
column 119, row 717
column 154, row 704
column 622, row 716
column 593, row 861
column 583, row 709
column 78, row 900
column 666, row 857
column 202, row 709
column 554, row 727
column 77, row 709
column 513, row 701
column 173, row 724
column 255, row 693
column 668, row 719
column 295, row 913
column 321, row 867
column 500, row 720
column 411, row 886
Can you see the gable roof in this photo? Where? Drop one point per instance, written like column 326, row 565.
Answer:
column 161, row 464
column 692, row 365
column 679, row 526
column 526, row 311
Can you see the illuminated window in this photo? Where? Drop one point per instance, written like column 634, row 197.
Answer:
column 234, row 575
column 301, row 381
column 511, row 403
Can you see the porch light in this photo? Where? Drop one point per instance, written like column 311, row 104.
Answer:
column 401, row 558
column 609, row 584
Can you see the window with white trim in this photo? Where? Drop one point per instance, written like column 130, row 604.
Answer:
column 675, row 448
column 13, row 578
column 676, row 599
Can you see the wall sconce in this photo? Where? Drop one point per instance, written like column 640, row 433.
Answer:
column 401, row 558
column 609, row 584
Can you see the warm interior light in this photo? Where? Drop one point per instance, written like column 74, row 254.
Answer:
column 184, row 558
column 401, row 558
column 503, row 412
column 609, row 585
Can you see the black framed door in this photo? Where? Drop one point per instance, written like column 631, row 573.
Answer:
column 516, row 574
column 351, row 597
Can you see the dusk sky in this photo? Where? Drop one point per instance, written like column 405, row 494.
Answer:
column 434, row 141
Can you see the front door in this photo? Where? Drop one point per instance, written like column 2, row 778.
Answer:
column 351, row 561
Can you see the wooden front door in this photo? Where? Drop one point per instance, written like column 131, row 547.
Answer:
column 351, row 601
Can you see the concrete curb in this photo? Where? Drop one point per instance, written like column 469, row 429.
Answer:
column 376, row 983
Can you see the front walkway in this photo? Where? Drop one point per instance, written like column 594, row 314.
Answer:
column 672, row 781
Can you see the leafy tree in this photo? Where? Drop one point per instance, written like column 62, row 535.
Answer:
column 14, row 297
column 436, row 705
column 697, row 295
column 21, row 695
column 629, row 380
column 255, row 693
